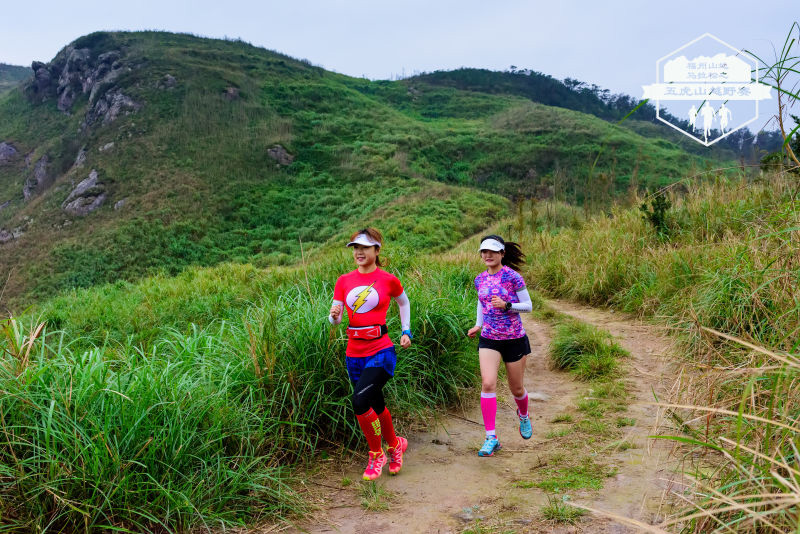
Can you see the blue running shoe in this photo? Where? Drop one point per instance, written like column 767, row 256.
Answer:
column 491, row 445
column 525, row 428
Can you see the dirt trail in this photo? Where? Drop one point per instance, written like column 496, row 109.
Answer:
column 446, row 488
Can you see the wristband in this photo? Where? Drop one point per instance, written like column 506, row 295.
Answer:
column 508, row 306
column 407, row 333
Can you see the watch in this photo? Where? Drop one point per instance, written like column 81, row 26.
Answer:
column 508, row 306
column 407, row 333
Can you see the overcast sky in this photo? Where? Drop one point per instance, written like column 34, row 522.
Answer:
column 611, row 43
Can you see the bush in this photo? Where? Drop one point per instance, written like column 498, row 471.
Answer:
column 588, row 352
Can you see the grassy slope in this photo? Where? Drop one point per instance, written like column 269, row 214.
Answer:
column 12, row 75
column 201, row 189
column 546, row 90
column 730, row 264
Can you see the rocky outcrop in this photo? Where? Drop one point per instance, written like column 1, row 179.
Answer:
column 7, row 152
column 75, row 72
column 39, row 180
column 110, row 106
column 279, row 154
column 87, row 196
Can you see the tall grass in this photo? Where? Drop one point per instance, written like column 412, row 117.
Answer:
column 742, row 448
column 198, row 426
column 729, row 269
column 585, row 350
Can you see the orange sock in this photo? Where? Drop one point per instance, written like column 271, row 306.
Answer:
column 371, row 427
column 387, row 428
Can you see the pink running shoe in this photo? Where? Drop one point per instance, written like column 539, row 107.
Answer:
column 396, row 455
column 374, row 465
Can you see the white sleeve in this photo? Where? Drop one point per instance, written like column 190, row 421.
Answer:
column 405, row 310
column 524, row 304
column 334, row 303
column 479, row 315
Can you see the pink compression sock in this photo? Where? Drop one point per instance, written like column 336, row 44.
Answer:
column 522, row 403
column 489, row 410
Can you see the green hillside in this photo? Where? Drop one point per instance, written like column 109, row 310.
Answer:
column 640, row 117
column 186, row 151
column 12, row 75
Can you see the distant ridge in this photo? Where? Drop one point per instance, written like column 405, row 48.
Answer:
column 11, row 75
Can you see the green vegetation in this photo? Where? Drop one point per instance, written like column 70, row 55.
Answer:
column 424, row 161
column 625, row 421
column 562, row 418
column 11, row 76
column 374, row 497
column 559, row 511
column 585, row 475
column 589, row 98
column 587, row 351
column 558, row 433
column 728, row 272
column 187, row 409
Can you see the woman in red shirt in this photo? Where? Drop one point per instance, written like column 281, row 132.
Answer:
column 366, row 294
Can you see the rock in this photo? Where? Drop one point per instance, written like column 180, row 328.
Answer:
column 279, row 154
column 42, row 79
column 74, row 77
column 82, row 206
column 4, row 205
column 80, row 159
column 110, row 106
column 75, row 72
column 231, row 93
column 107, row 146
column 120, row 204
column 7, row 151
column 469, row 514
column 168, row 82
column 39, row 181
column 5, row 236
column 87, row 196
column 109, row 58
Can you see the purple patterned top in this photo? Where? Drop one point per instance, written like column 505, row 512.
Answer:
column 499, row 323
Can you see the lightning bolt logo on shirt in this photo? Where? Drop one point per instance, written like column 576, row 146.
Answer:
column 362, row 299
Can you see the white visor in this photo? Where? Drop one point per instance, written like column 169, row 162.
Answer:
column 364, row 239
column 492, row 244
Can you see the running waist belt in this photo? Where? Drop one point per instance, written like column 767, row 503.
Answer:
column 367, row 332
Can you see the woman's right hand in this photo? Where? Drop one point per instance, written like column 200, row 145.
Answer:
column 336, row 312
column 474, row 330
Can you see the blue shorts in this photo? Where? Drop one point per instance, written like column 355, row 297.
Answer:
column 385, row 359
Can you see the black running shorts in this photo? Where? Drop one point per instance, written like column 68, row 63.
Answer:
column 511, row 350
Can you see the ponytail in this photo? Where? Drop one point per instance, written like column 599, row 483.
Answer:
column 513, row 256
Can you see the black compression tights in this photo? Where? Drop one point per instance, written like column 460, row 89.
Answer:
column 368, row 391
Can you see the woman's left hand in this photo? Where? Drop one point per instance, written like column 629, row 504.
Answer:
column 497, row 302
column 405, row 341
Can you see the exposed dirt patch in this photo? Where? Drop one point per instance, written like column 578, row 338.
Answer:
column 446, row 488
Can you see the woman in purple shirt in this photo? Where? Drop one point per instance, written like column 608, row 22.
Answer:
column 501, row 297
